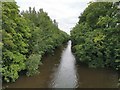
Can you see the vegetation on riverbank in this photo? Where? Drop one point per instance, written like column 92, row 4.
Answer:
column 95, row 37
column 27, row 36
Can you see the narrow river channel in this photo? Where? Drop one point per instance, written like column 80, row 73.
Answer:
column 61, row 71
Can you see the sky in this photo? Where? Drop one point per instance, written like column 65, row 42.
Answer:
column 66, row 12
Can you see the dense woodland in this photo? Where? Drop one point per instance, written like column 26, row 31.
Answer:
column 27, row 36
column 96, row 37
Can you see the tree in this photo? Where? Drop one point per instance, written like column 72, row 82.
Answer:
column 26, row 38
column 96, row 40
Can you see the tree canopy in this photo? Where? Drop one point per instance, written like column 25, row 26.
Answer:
column 27, row 36
column 96, row 38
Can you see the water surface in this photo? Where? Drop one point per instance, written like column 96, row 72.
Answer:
column 61, row 71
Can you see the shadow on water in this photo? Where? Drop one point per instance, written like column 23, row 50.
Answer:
column 96, row 78
column 61, row 71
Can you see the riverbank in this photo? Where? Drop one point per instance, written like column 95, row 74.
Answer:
column 61, row 71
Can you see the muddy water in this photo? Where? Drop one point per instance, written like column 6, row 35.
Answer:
column 61, row 71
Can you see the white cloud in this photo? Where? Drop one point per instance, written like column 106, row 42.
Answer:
column 66, row 12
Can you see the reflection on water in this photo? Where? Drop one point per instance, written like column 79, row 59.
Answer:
column 65, row 75
column 60, row 71
column 96, row 78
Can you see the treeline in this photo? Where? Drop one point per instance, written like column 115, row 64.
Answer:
column 27, row 36
column 96, row 37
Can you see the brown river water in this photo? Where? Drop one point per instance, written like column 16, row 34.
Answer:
column 61, row 71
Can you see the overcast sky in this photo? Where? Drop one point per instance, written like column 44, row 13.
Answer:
column 65, row 12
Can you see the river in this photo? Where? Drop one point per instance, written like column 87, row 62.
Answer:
column 61, row 71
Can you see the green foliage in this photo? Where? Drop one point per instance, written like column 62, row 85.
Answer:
column 26, row 38
column 32, row 64
column 96, row 40
column 45, row 37
column 15, row 41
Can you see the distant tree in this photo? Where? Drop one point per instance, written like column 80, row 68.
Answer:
column 55, row 23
